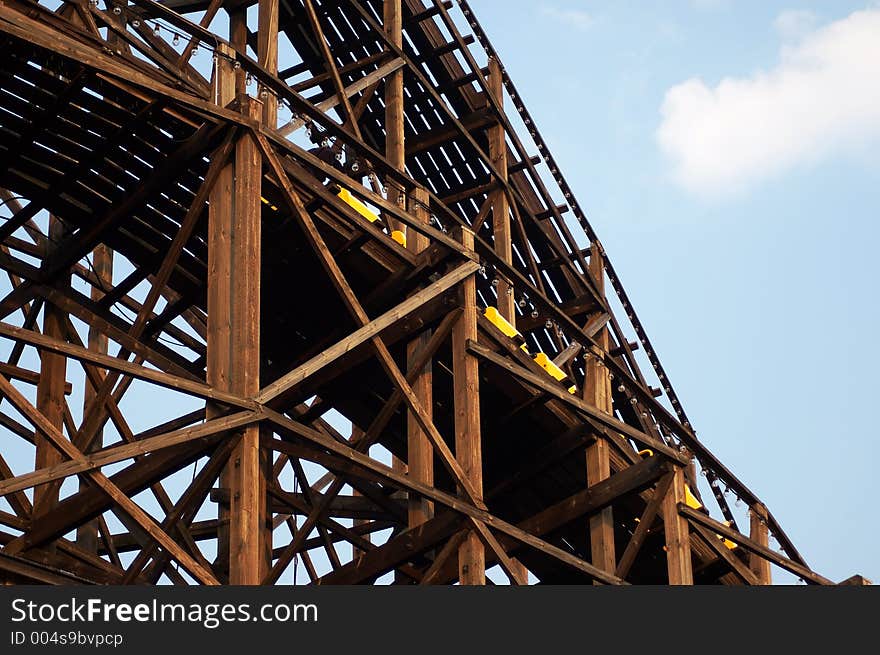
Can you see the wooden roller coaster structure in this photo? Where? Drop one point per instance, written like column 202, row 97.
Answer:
column 296, row 292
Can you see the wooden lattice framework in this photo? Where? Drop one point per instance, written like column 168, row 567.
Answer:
column 177, row 219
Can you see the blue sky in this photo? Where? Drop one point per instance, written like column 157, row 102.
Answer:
column 742, row 222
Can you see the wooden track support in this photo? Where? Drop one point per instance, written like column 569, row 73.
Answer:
column 234, row 245
column 102, row 262
column 678, row 549
column 395, row 145
column 597, row 391
column 759, row 533
column 420, row 454
column 466, row 399
column 50, row 391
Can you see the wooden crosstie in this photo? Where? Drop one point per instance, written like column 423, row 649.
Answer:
column 301, row 295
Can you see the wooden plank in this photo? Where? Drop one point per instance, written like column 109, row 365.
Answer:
column 29, row 572
column 515, row 572
column 219, row 290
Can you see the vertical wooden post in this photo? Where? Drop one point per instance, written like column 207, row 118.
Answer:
column 506, row 302
column 394, row 122
column 248, row 563
column 466, row 400
column 395, row 150
column 234, row 248
column 758, row 531
column 218, row 295
column 356, row 435
column 50, row 390
column 102, row 262
column 597, row 391
column 498, row 196
column 238, row 32
column 678, row 546
column 420, row 454
column 267, row 52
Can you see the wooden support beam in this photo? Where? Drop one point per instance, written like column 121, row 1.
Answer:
column 597, row 392
column 267, row 54
column 234, row 344
column 420, row 454
column 759, row 533
column 498, row 196
column 50, row 390
column 219, row 290
column 18, row 570
column 395, row 147
column 501, row 234
column 102, row 263
column 675, row 526
column 466, row 401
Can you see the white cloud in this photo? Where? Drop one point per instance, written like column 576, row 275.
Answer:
column 821, row 99
column 576, row 18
